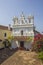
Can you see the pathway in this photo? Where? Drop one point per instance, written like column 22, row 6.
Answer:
column 22, row 58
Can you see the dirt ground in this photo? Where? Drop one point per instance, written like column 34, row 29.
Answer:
column 22, row 57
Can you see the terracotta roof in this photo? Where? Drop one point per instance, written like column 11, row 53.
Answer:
column 4, row 27
column 22, row 38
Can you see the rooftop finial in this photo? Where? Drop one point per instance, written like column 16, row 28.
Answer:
column 22, row 15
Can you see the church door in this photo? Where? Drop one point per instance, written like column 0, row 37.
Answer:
column 21, row 44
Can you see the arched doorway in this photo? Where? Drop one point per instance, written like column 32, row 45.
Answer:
column 21, row 44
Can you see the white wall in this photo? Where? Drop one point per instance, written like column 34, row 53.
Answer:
column 26, row 31
column 27, row 45
column 14, row 45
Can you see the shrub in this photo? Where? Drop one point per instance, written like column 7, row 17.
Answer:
column 38, row 45
column 40, row 55
column 38, row 42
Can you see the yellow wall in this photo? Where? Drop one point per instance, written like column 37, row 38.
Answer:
column 8, row 34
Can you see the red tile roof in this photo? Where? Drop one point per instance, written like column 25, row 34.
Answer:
column 5, row 27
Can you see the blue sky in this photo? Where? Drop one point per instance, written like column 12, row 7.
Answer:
column 10, row 8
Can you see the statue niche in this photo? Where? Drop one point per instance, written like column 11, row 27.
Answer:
column 15, row 19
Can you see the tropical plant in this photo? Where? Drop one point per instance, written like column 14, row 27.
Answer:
column 10, row 38
column 7, row 43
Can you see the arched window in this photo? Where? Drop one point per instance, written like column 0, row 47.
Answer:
column 5, row 34
column 21, row 32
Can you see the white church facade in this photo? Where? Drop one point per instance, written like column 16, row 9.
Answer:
column 23, row 31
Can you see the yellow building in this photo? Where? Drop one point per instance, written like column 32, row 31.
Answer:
column 5, row 33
